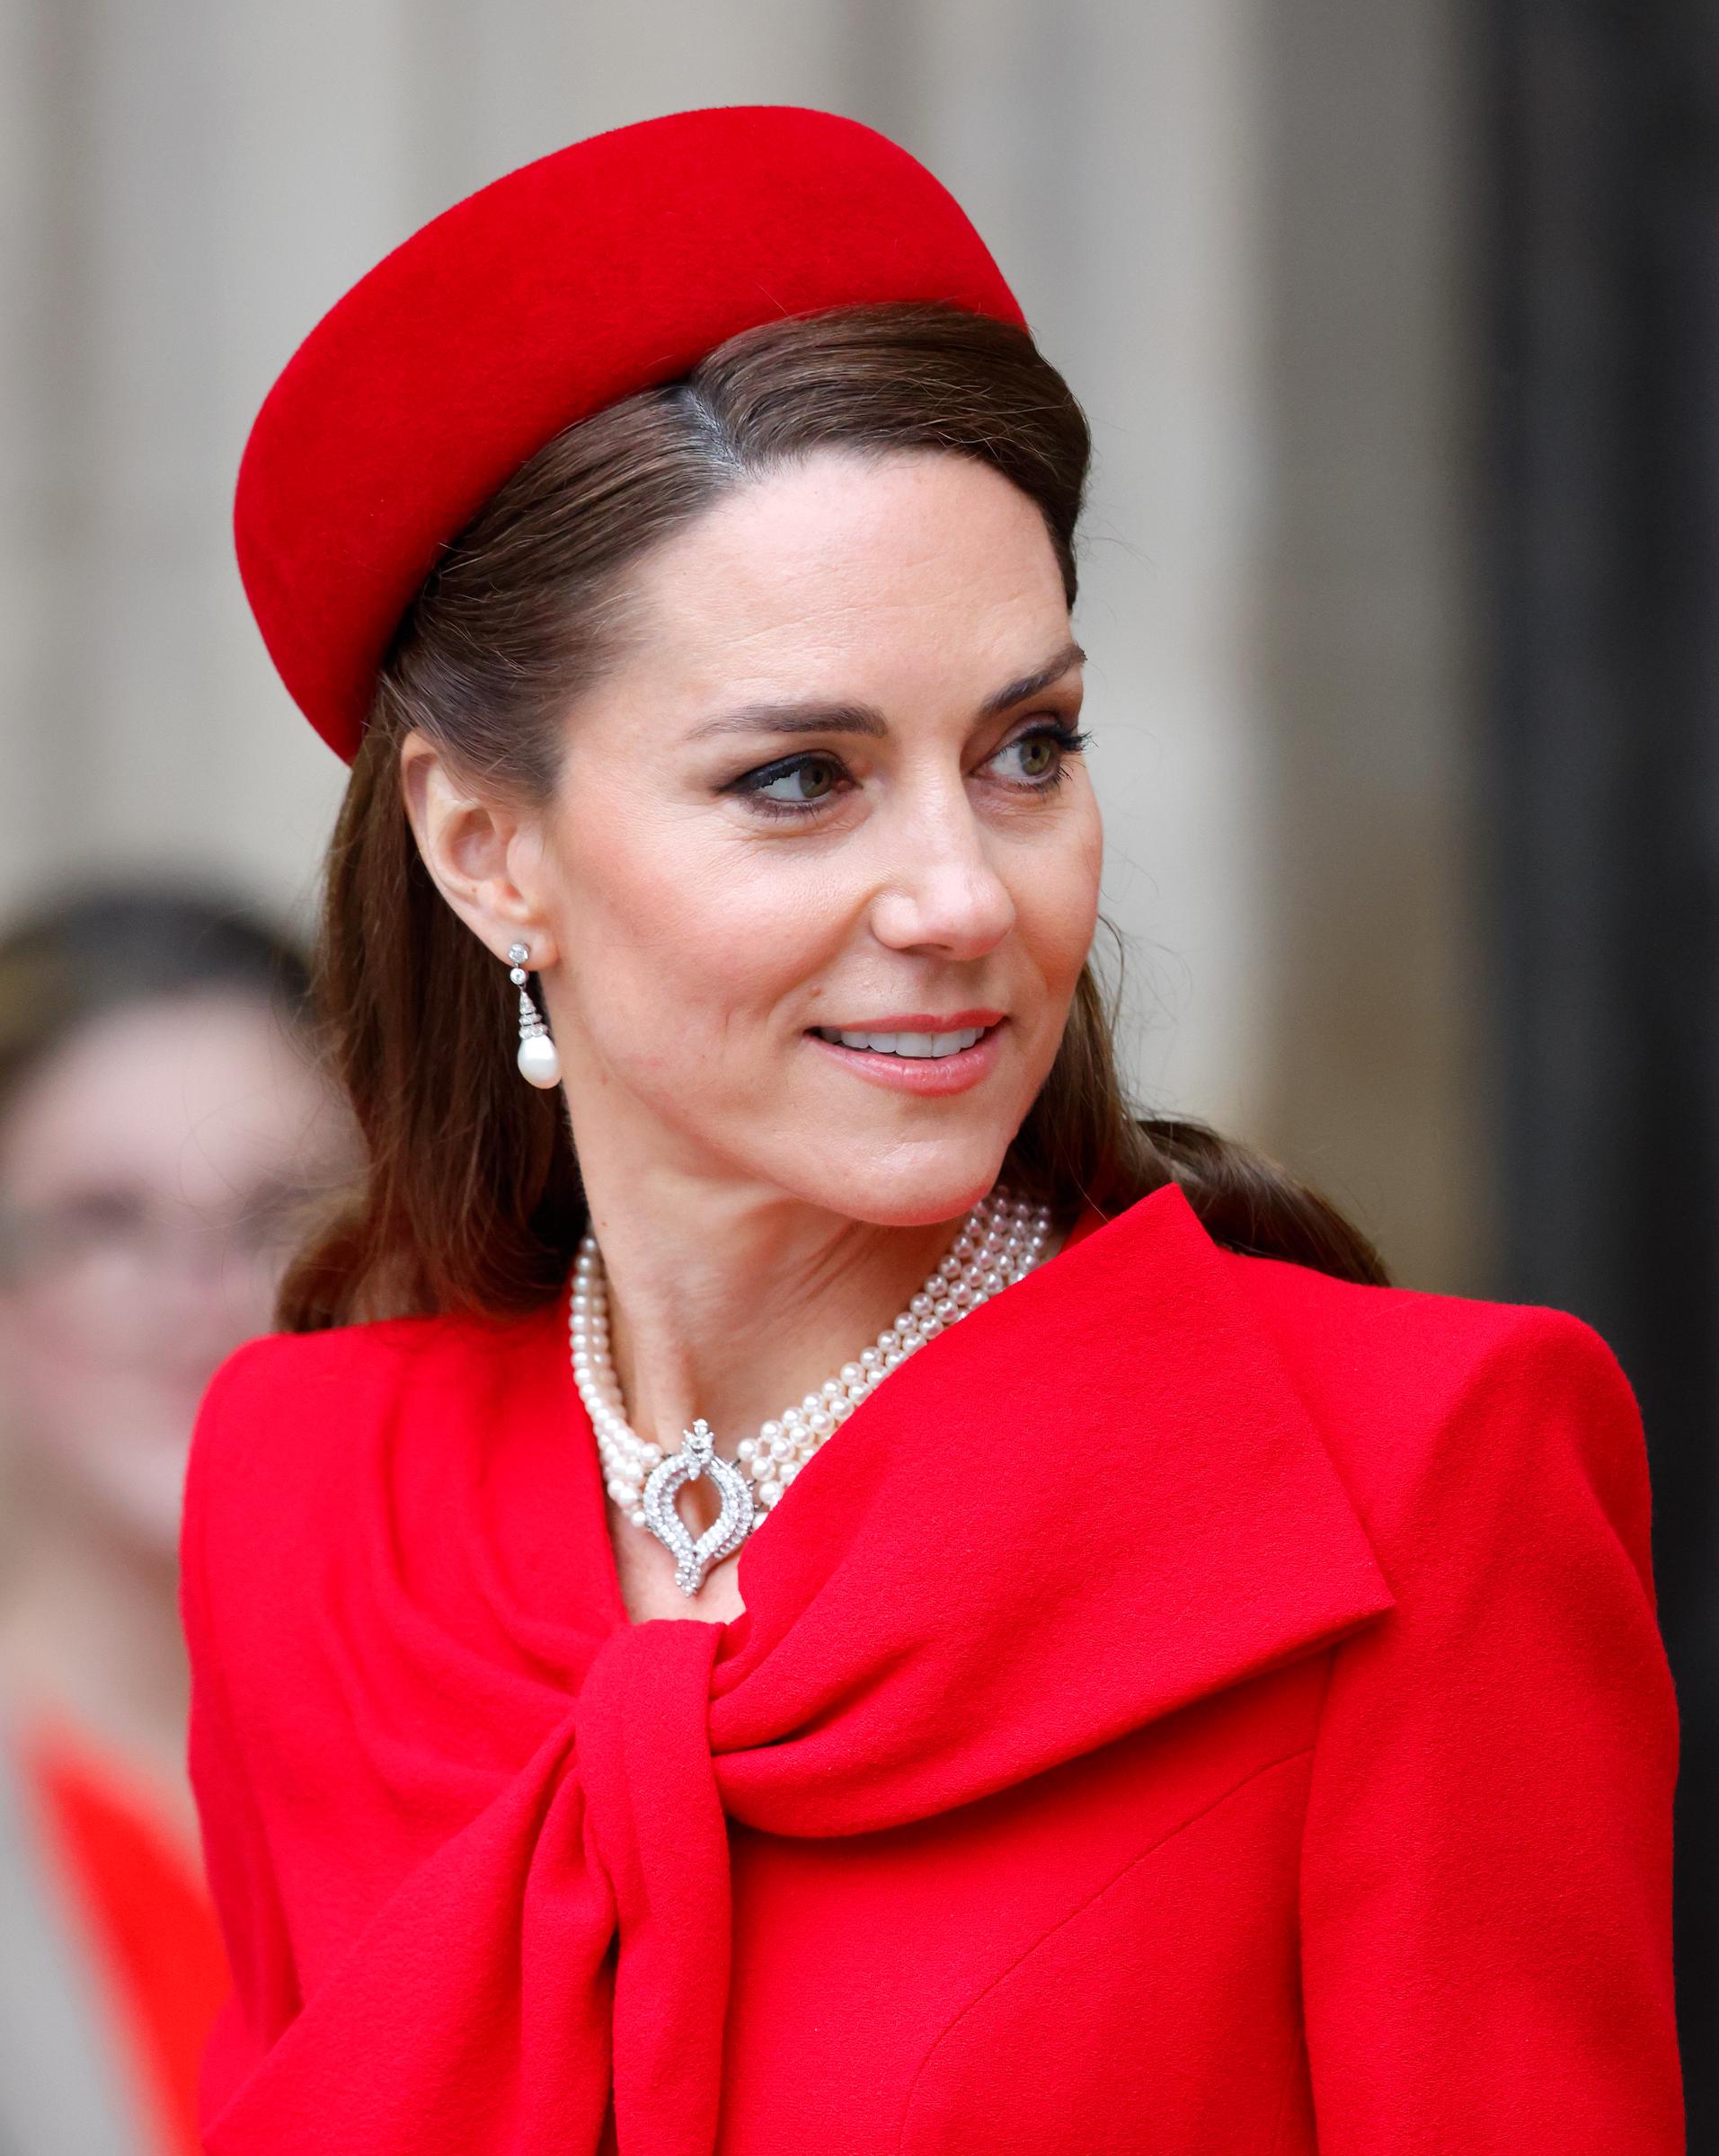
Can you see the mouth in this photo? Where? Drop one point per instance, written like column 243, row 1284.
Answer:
column 923, row 1054
column 922, row 1047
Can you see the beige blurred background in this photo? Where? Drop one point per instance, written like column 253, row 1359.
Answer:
column 1240, row 229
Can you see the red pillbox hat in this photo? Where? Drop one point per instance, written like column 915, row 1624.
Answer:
column 606, row 268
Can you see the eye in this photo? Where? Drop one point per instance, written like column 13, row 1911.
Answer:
column 1039, row 757
column 794, row 785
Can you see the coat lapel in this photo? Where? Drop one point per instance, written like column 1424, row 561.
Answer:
column 1094, row 1501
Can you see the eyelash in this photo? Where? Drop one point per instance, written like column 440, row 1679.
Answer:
column 751, row 784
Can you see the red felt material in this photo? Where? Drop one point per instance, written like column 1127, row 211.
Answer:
column 601, row 270
column 1194, row 1707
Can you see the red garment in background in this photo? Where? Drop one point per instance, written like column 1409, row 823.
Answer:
column 1194, row 1706
column 144, row 1915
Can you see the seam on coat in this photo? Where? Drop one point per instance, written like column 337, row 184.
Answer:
column 1298, row 2042
column 1069, row 1916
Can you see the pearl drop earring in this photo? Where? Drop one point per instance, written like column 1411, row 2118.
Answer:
column 539, row 1060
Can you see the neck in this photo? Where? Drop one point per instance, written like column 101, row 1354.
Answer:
column 90, row 1637
column 732, row 1304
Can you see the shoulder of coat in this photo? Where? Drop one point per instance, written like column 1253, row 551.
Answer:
column 1406, row 1385
column 289, row 1417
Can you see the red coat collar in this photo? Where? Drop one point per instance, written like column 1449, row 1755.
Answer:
column 1094, row 1501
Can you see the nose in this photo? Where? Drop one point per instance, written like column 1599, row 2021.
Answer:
column 940, row 892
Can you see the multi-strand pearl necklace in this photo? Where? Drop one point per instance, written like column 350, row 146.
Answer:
column 1003, row 1238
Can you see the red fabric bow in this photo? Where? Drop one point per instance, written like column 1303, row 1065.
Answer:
column 930, row 1619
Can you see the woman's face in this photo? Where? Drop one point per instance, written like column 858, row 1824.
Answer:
column 149, row 1173
column 832, row 792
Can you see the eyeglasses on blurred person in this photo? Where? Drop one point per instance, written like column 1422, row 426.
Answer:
column 163, row 1124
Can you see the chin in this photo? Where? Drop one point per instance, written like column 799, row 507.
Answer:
column 916, row 1186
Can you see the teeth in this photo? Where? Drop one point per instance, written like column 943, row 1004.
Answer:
column 921, row 1045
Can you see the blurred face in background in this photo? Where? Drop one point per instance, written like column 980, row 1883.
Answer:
column 152, row 1172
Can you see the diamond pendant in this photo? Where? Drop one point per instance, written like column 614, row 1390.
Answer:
column 697, row 1456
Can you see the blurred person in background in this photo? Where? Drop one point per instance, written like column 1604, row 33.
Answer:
column 161, row 1120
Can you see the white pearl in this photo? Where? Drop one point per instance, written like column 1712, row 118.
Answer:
column 850, row 1373
column 540, row 1061
column 822, row 1423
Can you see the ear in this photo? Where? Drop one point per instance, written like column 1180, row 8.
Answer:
column 485, row 852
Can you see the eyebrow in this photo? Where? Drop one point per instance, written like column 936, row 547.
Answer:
column 811, row 717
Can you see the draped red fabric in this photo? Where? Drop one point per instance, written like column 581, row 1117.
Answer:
column 1108, row 1544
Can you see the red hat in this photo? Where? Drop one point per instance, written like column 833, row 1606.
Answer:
column 601, row 270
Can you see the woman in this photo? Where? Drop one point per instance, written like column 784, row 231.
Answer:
column 1171, row 1691
column 158, row 1115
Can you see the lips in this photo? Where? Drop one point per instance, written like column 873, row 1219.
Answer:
column 939, row 1056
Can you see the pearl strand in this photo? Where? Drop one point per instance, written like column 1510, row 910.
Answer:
column 1000, row 1240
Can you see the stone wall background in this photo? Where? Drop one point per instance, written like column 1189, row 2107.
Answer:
column 1242, row 231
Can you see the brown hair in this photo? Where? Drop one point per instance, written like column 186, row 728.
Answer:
column 471, row 1197
column 89, row 953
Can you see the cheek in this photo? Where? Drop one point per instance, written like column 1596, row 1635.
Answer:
column 111, row 1431
column 1056, row 894
column 671, row 947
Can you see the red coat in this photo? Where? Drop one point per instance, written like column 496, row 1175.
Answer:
column 1194, row 1707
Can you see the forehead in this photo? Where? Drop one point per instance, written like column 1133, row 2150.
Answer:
column 853, row 574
